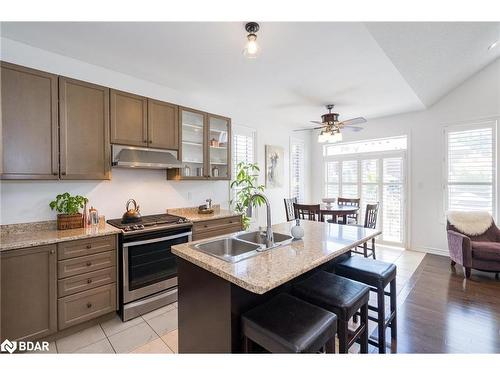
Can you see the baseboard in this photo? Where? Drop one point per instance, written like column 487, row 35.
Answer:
column 431, row 250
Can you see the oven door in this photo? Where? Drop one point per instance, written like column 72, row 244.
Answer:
column 149, row 265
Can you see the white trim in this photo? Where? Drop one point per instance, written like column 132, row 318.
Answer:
column 290, row 148
column 431, row 250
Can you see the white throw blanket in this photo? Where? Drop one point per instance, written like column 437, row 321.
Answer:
column 471, row 223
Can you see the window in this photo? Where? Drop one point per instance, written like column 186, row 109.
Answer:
column 297, row 154
column 377, row 175
column 470, row 168
column 243, row 149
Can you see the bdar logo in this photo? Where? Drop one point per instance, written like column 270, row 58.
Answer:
column 8, row 346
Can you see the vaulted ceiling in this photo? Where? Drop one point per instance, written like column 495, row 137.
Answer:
column 366, row 69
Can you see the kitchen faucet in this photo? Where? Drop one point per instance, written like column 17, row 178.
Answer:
column 269, row 230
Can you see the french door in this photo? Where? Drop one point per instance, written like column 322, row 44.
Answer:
column 378, row 177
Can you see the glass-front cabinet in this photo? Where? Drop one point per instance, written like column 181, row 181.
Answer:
column 219, row 147
column 204, row 147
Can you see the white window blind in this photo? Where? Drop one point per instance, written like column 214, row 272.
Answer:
column 297, row 155
column 470, row 180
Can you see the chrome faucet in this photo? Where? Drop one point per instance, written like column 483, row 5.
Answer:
column 269, row 230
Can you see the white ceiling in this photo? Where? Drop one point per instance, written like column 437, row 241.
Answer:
column 368, row 70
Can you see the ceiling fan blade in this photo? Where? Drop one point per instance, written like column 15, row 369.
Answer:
column 317, row 122
column 353, row 128
column 299, row 130
column 354, row 121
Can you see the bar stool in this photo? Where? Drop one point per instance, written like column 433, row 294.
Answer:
column 343, row 297
column 286, row 324
column 377, row 275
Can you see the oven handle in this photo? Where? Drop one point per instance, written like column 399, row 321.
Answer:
column 136, row 243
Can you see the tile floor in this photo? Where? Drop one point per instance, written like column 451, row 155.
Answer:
column 156, row 331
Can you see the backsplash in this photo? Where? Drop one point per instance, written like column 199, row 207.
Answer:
column 28, row 201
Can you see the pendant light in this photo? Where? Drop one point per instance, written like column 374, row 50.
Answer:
column 251, row 47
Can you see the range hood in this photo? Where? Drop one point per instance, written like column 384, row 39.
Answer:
column 145, row 158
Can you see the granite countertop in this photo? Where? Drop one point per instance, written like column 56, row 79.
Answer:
column 192, row 214
column 17, row 236
column 259, row 274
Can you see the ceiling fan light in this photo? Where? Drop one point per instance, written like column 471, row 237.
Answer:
column 323, row 137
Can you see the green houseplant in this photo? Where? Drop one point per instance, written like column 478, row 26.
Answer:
column 245, row 184
column 68, row 208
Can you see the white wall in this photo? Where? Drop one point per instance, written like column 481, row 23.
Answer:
column 25, row 201
column 476, row 99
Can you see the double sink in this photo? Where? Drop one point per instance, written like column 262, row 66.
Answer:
column 241, row 246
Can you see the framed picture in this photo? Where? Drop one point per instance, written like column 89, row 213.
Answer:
column 274, row 166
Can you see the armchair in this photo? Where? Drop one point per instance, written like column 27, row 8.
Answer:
column 478, row 251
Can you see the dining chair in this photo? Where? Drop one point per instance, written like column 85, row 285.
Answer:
column 290, row 213
column 307, row 211
column 352, row 218
column 371, row 214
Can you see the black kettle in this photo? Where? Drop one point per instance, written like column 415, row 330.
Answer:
column 131, row 215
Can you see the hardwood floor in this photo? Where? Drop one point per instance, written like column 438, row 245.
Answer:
column 441, row 312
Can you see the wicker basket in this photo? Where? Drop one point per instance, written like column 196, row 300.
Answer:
column 65, row 221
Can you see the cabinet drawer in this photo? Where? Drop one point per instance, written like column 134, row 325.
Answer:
column 87, row 305
column 86, row 281
column 217, row 232
column 77, row 266
column 78, row 248
column 217, row 224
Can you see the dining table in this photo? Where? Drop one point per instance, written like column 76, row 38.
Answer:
column 335, row 210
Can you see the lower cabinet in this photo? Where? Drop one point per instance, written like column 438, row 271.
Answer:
column 41, row 294
column 28, row 293
column 216, row 227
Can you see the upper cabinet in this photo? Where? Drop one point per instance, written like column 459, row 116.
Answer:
column 219, row 147
column 163, row 125
column 204, row 146
column 84, row 130
column 129, row 119
column 143, row 122
column 29, row 124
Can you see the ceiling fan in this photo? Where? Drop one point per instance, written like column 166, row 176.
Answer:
column 331, row 126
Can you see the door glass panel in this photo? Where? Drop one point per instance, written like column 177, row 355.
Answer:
column 218, row 131
column 393, row 213
column 193, row 135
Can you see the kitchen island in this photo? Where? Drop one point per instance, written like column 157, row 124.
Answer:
column 212, row 293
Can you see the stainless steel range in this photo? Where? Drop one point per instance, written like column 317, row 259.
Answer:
column 148, row 269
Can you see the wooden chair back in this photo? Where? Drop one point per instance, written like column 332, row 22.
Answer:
column 371, row 215
column 290, row 212
column 307, row 211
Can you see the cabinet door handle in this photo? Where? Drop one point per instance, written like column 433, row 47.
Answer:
column 89, row 264
column 89, row 305
column 89, row 246
column 145, row 141
column 89, row 281
column 150, row 141
column 55, row 173
column 52, row 251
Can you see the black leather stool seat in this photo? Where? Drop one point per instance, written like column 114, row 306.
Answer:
column 369, row 271
column 286, row 324
column 334, row 293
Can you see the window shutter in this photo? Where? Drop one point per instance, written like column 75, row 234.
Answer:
column 470, row 169
column 297, row 169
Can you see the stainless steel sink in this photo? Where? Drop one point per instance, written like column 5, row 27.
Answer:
column 229, row 249
column 259, row 237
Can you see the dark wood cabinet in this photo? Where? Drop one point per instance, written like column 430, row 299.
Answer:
column 28, row 293
column 29, row 123
column 129, row 119
column 84, row 130
column 163, row 125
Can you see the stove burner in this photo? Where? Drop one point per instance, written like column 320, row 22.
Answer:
column 149, row 221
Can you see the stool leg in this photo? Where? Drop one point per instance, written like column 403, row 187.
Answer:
column 342, row 332
column 394, row 322
column 364, row 335
column 373, row 248
column 330, row 346
column 381, row 320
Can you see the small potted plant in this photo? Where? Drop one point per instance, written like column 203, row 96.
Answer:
column 68, row 208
